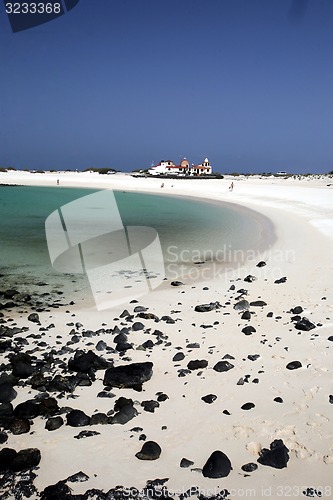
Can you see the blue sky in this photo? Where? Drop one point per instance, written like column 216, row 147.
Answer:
column 124, row 83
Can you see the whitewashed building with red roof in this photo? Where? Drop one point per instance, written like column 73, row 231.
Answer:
column 168, row 167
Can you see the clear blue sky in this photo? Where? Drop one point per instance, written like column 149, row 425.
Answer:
column 124, row 83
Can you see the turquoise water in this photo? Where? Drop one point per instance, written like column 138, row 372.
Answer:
column 189, row 230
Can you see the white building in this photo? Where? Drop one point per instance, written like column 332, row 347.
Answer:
column 169, row 168
column 203, row 168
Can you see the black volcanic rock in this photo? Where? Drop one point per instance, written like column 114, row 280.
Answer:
column 248, row 330
column 6, row 457
column 5, row 346
column 27, row 409
column 258, row 303
column 276, row 457
column 33, row 317
column 262, row 263
column 218, row 465
column 184, row 463
column 196, row 364
column 207, row 307
column 26, row 459
column 19, row 426
column 53, row 423
column 137, row 326
column 3, row 437
column 305, row 325
column 210, row 398
column 9, row 294
column 250, row 278
column 179, row 356
column 250, row 467
column 6, row 414
column 7, row 392
column 77, row 418
column 99, row 419
column 242, row 305
column 247, row 406
column 293, row 365
column 62, row 383
column 13, row 461
column 85, row 362
column 150, row 405
column 21, row 364
column 131, row 375
column 149, row 451
column 123, row 346
column 281, row 280
column 223, row 366
column 246, row 315
column 59, row 491
column 78, row 477
column 177, row 283
column 297, row 310
column 86, row 434
column 125, row 411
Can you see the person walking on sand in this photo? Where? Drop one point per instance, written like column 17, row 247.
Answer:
column 57, row 182
column 231, row 187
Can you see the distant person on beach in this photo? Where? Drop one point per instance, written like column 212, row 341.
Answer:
column 162, row 185
column 231, row 187
column 57, row 182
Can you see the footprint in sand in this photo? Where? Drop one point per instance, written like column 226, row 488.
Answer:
column 242, row 431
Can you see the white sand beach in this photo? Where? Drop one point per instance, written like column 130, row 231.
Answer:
column 292, row 405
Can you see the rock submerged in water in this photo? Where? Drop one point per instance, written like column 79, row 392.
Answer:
column 128, row 376
column 218, row 465
column 276, row 457
column 149, row 451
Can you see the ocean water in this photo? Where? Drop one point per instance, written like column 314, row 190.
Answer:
column 190, row 231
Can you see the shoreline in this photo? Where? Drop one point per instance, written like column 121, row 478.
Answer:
column 227, row 257
column 289, row 405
